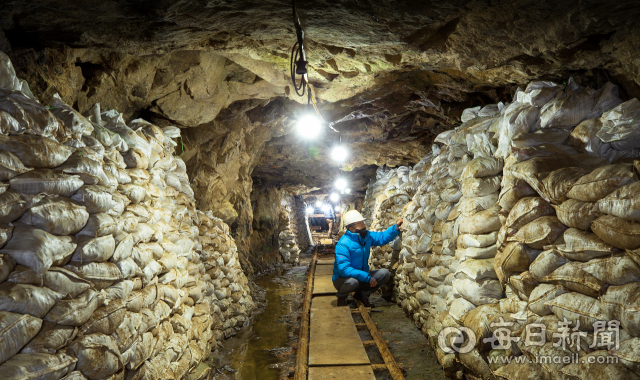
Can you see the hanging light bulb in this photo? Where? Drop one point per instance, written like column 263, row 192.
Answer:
column 347, row 191
column 337, row 209
column 309, row 126
column 334, row 197
column 341, row 184
column 339, row 153
column 319, row 203
column 310, row 210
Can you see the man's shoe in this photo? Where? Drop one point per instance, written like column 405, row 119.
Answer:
column 365, row 301
column 342, row 301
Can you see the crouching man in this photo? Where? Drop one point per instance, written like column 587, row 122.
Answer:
column 351, row 268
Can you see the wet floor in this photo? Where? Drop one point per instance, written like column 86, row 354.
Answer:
column 407, row 344
column 266, row 349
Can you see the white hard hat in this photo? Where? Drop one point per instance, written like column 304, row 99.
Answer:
column 352, row 216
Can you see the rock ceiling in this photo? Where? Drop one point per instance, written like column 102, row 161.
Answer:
column 393, row 73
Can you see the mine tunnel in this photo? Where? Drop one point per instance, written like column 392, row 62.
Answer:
column 317, row 190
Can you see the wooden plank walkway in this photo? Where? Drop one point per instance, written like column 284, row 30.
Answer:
column 324, row 302
column 324, row 270
column 323, row 285
column 330, row 347
column 334, row 339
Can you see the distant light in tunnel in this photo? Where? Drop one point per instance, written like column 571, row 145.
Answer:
column 337, row 209
column 347, row 191
column 334, row 197
column 341, row 184
column 339, row 153
column 309, row 126
column 319, row 204
column 309, row 210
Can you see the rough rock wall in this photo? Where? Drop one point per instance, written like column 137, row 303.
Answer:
column 187, row 87
column 221, row 157
column 299, row 222
column 389, row 71
column 275, row 211
column 527, row 213
column 104, row 257
column 355, row 46
column 294, row 229
column 267, row 204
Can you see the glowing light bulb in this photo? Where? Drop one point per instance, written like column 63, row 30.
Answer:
column 309, row 210
column 319, row 204
column 337, row 208
column 341, row 184
column 326, row 208
column 347, row 191
column 309, row 126
column 334, row 197
column 339, row 153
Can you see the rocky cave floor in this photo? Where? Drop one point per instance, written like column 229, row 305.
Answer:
column 266, row 348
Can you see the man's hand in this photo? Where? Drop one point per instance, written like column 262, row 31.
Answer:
column 399, row 223
column 373, row 282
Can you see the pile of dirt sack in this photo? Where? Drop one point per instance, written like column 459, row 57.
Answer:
column 522, row 237
column 107, row 269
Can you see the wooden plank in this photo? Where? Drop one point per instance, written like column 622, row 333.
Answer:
column 334, row 340
column 324, row 302
column 360, row 372
column 324, row 270
column 326, row 261
column 389, row 360
column 323, row 285
column 303, row 338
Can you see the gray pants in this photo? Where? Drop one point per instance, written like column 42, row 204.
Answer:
column 346, row 285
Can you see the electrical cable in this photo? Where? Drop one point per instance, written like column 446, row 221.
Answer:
column 298, row 66
column 298, row 62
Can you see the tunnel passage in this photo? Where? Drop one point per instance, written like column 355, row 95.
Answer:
column 152, row 171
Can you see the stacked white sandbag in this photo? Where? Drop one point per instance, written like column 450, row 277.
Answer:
column 288, row 248
column 374, row 194
column 529, row 214
column 390, row 211
column 562, row 253
column 105, row 265
column 293, row 229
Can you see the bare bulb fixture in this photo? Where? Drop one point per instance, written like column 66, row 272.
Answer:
column 341, row 184
column 309, row 126
column 309, row 210
column 339, row 153
column 334, row 197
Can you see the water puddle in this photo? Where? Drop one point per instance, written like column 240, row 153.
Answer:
column 265, row 349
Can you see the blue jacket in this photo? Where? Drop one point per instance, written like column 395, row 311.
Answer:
column 352, row 253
